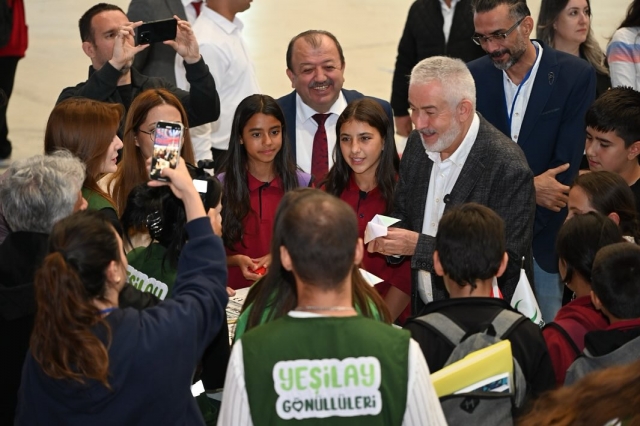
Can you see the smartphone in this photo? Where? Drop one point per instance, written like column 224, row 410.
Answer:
column 156, row 31
column 167, row 142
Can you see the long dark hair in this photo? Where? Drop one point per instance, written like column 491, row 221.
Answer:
column 367, row 111
column 633, row 15
column 609, row 193
column 163, row 215
column 579, row 240
column 276, row 294
column 236, row 203
column 63, row 341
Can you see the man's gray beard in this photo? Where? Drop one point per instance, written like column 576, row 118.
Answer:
column 513, row 59
column 446, row 139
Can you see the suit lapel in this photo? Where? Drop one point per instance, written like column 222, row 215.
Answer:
column 540, row 93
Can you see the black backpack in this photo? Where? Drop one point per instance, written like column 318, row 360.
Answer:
column 479, row 408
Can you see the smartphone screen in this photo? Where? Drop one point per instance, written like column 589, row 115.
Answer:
column 156, row 31
column 167, row 141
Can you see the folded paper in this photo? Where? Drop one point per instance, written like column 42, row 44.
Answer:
column 378, row 227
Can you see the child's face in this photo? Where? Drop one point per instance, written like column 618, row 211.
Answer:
column 578, row 202
column 262, row 138
column 606, row 151
column 361, row 146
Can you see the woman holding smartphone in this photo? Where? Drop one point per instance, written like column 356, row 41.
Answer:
column 145, row 111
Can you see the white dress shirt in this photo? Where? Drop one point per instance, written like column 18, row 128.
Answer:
column 423, row 407
column 224, row 51
column 522, row 100
column 447, row 14
column 444, row 174
column 306, row 128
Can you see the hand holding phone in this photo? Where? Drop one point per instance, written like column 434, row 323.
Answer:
column 167, row 142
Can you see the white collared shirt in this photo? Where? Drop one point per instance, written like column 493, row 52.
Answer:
column 510, row 90
column 306, row 128
column 444, row 174
column 225, row 53
column 190, row 11
column 447, row 14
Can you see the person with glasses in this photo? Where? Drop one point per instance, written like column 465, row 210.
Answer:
column 538, row 97
column 146, row 110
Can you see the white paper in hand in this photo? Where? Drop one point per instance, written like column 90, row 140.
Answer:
column 370, row 278
column 378, row 227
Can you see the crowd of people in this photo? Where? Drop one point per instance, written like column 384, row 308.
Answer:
column 521, row 168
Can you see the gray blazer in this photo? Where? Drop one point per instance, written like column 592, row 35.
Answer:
column 495, row 174
column 157, row 60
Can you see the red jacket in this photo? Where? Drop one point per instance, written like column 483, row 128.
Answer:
column 18, row 42
column 576, row 318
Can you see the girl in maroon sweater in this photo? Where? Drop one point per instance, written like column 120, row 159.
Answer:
column 364, row 176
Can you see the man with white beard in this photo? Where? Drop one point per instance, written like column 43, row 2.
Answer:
column 453, row 157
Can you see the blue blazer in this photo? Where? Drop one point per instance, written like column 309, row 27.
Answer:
column 288, row 105
column 553, row 129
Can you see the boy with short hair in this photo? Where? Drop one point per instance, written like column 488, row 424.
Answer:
column 469, row 253
column 615, row 282
column 613, row 136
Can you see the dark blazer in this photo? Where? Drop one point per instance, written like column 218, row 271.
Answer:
column 496, row 175
column 288, row 105
column 553, row 129
column 157, row 60
column 423, row 38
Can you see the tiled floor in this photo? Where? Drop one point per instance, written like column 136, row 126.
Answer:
column 369, row 31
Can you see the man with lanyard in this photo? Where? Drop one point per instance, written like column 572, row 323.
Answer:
column 538, row 97
column 344, row 369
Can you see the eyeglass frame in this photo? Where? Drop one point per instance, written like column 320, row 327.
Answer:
column 152, row 135
column 479, row 40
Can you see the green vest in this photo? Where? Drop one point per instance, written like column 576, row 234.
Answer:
column 145, row 270
column 326, row 370
column 95, row 201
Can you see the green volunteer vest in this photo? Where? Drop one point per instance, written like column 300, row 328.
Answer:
column 326, row 370
column 145, row 271
column 95, row 201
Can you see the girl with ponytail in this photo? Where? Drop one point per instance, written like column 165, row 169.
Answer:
column 92, row 362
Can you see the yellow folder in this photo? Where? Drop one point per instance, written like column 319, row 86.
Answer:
column 475, row 367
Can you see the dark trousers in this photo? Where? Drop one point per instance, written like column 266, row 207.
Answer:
column 8, row 65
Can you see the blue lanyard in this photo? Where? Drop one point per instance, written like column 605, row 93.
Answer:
column 522, row 83
column 106, row 311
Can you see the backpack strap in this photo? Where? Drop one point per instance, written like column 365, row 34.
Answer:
column 506, row 321
column 569, row 330
column 444, row 326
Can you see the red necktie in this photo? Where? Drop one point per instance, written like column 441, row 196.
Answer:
column 196, row 6
column 320, row 153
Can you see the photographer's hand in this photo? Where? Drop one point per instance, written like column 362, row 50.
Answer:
column 185, row 43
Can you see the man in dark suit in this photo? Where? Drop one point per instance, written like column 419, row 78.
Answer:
column 537, row 96
column 158, row 59
column 315, row 66
column 433, row 28
column 453, row 157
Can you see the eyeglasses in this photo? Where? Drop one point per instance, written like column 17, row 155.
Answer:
column 151, row 134
column 497, row 37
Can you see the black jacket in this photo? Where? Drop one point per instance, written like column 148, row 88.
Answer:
column 423, row 37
